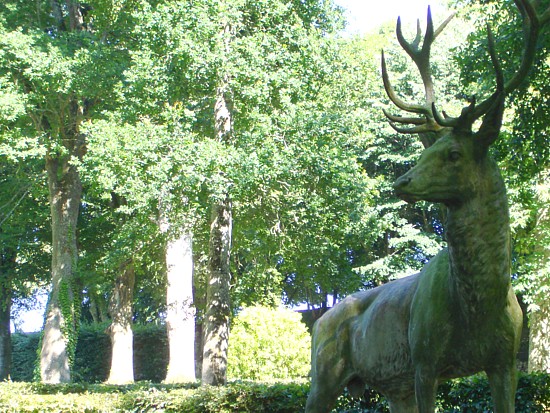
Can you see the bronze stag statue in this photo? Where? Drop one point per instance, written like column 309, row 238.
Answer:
column 459, row 315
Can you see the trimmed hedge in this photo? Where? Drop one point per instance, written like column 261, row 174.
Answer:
column 24, row 347
column 469, row 395
column 93, row 354
column 459, row 396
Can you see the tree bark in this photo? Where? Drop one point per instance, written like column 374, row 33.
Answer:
column 5, row 334
column 539, row 338
column 60, row 328
column 180, row 313
column 218, row 305
column 218, row 310
column 98, row 307
column 7, row 268
column 120, row 330
column 539, row 320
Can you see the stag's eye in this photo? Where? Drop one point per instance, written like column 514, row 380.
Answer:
column 454, row 156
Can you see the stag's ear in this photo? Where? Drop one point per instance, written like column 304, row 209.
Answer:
column 490, row 126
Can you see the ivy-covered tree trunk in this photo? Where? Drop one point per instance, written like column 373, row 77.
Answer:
column 120, row 330
column 180, row 312
column 67, row 147
column 61, row 324
column 218, row 305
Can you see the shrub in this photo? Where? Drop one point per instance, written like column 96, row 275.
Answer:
column 92, row 356
column 24, row 351
column 268, row 344
column 472, row 394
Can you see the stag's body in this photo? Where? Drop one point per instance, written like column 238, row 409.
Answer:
column 458, row 316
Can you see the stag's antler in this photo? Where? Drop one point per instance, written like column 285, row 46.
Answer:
column 432, row 121
column 421, row 57
column 532, row 23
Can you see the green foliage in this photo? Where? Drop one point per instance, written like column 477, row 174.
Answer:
column 69, row 303
column 472, row 394
column 268, row 344
column 92, row 359
column 462, row 395
column 92, row 362
column 24, row 350
column 150, row 352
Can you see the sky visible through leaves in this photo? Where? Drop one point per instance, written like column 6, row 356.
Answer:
column 365, row 15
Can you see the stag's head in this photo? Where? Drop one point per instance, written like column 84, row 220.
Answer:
column 455, row 165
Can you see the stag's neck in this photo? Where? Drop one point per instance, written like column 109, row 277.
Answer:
column 478, row 234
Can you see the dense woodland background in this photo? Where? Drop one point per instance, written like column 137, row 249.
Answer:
column 170, row 162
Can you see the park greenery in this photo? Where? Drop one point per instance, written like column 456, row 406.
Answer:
column 250, row 133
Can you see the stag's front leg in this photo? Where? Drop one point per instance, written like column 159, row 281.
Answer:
column 406, row 405
column 323, row 394
column 425, row 386
column 329, row 377
column 503, row 389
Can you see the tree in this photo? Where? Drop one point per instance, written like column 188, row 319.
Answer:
column 57, row 65
column 156, row 167
column 213, row 74
column 180, row 314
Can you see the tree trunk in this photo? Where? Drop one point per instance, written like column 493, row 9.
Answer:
column 65, row 190
column 120, row 330
column 5, row 335
column 539, row 320
column 216, row 321
column 539, row 338
column 180, row 313
column 61, row 325
column 8, row 258
column 218, row 305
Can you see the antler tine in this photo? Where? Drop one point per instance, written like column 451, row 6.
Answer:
column 532, row 24
column 425, row 128
column 412, row 48
column 418, row 36
column 475, row 112
column 444, row 24
column 426, row 125
column 444, row 121
column 404, row 120
column 395, row 99
column 421, row 56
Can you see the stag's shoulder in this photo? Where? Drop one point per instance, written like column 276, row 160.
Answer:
column 438, row 265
